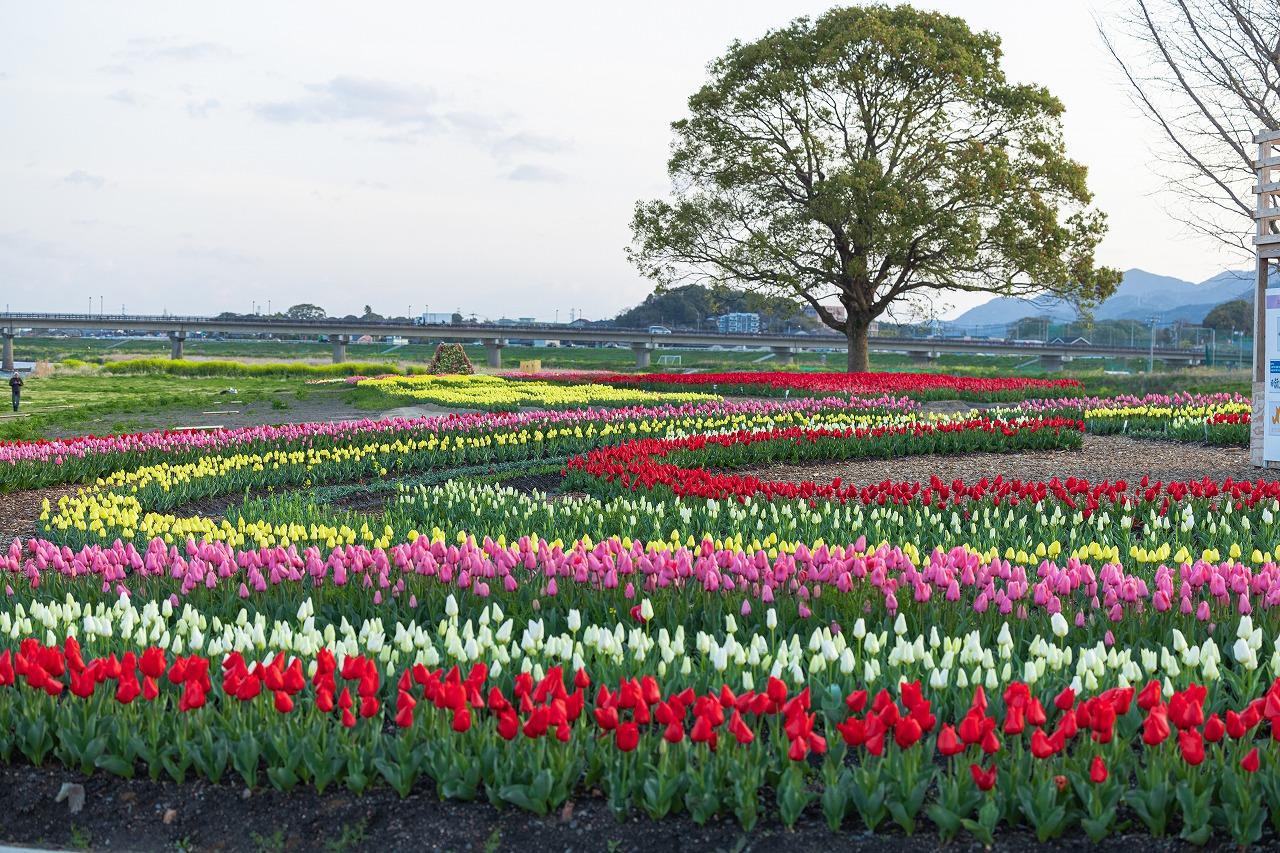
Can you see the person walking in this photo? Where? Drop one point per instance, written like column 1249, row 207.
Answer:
column 15, row 387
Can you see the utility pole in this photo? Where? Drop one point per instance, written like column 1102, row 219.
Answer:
column 1151, row 359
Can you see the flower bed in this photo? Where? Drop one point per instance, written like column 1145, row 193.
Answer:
column 1219, row 419
column 495, row 394
column 955, row 658
column 632, row 465
column 656, row 745
column 919, row 386
column 34, row 464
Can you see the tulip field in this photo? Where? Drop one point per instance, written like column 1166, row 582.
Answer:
column 579, row 592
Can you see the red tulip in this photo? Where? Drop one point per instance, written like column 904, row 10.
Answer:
column 283, row 702
column 461, row 720
column 1065, row 700
column 1150, row 696
column 740, row 730
column 907, row 732
column 606, row 718
column 627, row 736
column 1015, row 721
column 1214, row 729
column 948, row 743
column 1191, row 745
column 1098, row 770
column 984, row 779
column 990, row 743
column 1155, row 728
column 702, row 731
column 1250, row 762
column 129, row 689
column 152, row 663
column 1043, row 746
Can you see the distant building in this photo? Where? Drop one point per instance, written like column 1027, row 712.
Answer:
column 836, row 311
column 739, row 323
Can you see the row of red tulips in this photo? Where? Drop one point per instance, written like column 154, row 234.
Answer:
column 777, row 383
column 1022, row 756
column 687, row 467
column 537, row 707
column 690, row 464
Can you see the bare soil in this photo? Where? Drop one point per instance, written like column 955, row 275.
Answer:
column 142, row 815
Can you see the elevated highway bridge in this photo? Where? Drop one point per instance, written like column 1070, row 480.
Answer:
column 495, row 337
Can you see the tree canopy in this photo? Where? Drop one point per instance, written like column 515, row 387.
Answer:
column 1233, row 316
column 689, row 306
column 875, row 157
column 305, row 311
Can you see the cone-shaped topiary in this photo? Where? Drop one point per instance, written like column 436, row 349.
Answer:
column 450, row 358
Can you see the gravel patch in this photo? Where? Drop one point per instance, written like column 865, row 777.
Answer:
column 1102, row 457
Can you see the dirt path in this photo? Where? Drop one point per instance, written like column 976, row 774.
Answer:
column 1103, row 457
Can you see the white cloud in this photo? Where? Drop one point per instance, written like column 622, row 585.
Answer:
column 81, row 178
column 407, row 111
column 536, row 174
column 173, row 50
column 202, row 109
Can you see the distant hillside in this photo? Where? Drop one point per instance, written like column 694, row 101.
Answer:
column 1140, row 296
column 689, row 307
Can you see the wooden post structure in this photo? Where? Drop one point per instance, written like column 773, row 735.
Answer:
column 1266, row 242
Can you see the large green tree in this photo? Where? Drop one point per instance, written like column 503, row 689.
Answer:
column 306, row 311
column 875, row 157
column 1233, row 316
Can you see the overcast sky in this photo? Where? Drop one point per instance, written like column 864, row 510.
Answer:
column 198, row 158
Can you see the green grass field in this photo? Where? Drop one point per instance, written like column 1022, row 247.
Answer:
column 580, row 358
column 65, row 399
column 276, row 372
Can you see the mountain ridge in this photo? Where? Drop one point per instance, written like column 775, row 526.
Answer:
column 1140, row 296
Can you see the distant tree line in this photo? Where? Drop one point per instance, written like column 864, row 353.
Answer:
column 692, row 306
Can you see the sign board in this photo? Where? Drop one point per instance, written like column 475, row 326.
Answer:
column 1271, row 393
column 531, row 366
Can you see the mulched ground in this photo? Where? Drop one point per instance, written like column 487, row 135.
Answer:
column 142, row 815
column 19, row 511
column 1103, row 457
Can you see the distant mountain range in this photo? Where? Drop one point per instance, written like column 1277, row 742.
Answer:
column 1140, row 296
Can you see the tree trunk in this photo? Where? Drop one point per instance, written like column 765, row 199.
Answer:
column 855, row 330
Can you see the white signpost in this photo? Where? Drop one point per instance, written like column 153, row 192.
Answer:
column 1265, row 444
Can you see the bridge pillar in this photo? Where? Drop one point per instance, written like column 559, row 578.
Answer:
column 785, row 356
column 493, row 351
column 6, row 351
column 922, row 358
column 176, row 339
column 644, row 355
column 339, row 347
column 1052, row 362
